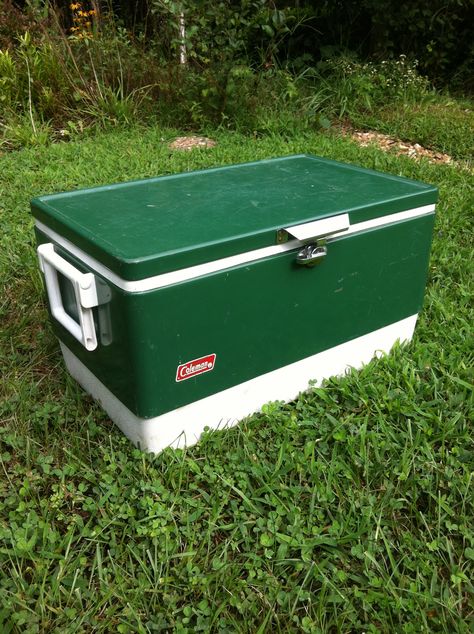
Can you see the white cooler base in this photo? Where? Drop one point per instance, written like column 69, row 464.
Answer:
column 183, row 426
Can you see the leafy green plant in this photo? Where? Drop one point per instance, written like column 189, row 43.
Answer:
column 223, row 33
column 24, row 131
column 436, row 32
column 343, row 85
column 8, row 80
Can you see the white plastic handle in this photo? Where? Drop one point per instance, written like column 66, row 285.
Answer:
column 84, row 290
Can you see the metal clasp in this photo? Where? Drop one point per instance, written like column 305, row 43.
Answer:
column 312, row 254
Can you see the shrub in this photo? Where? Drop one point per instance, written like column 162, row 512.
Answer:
column 343, row 85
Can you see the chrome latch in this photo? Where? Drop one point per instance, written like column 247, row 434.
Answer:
column 312, row 254
column 313, row 235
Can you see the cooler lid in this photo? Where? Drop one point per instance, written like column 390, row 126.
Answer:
column 147, row 227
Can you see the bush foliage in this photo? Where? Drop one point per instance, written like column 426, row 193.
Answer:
column 65, row 67
column 436, row 32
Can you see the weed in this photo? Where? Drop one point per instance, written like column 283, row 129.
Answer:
column 24, row 131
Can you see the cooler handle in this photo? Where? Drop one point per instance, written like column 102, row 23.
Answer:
column 84, row 289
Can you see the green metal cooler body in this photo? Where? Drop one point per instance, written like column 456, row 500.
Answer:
column 188, row 301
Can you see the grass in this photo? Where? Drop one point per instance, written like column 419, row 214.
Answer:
column 348, row 510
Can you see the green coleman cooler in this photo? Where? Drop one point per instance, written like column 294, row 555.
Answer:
column 189, row 301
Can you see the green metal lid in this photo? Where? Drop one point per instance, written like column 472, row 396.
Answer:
column 143, row 228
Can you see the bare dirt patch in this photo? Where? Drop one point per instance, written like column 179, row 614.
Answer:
column 390, row 144
column 190, row 142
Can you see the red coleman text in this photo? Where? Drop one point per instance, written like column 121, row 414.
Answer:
column 195, row 367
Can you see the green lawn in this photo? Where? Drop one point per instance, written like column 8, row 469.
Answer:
column 349, row 510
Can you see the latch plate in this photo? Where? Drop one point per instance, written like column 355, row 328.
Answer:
column 312, row 231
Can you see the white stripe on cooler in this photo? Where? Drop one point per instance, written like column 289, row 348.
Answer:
column 182, row 275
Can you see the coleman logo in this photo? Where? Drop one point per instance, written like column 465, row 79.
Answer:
column 195, row 367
